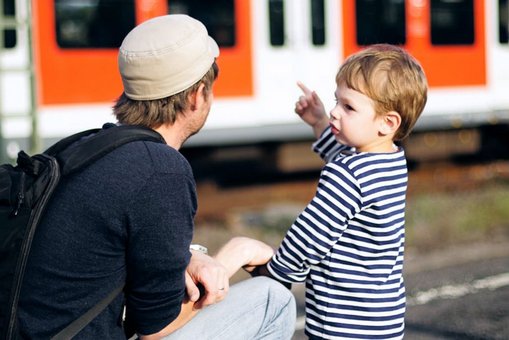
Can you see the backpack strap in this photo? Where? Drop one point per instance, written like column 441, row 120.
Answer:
column 80, row 150
column 77, row 325
column 68, row 141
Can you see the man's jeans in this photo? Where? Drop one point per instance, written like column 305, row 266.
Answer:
column 258, row 308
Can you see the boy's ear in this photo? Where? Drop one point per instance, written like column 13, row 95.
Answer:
column 390, row 123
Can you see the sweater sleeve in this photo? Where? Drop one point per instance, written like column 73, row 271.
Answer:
column 327, row 147
column 319, row 226
column 160, row 232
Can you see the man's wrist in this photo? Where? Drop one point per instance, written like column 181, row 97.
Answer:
column 200, row 248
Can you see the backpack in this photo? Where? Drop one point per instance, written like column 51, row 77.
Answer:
column 25, row 190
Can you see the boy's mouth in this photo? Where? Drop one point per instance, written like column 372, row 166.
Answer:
column 334, row 129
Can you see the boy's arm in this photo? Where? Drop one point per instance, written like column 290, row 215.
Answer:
column 243, row 252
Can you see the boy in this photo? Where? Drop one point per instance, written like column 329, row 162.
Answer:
column 347, row 245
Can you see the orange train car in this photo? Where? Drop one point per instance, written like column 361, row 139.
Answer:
column 58, row 72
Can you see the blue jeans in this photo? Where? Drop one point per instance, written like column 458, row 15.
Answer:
column 257, row 308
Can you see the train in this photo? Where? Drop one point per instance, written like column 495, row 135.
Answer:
column 58, row 62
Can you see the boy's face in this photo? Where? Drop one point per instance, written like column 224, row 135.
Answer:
column 354, row 121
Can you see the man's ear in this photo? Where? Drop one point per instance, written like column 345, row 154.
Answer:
column 390, row 123
column 196, row 99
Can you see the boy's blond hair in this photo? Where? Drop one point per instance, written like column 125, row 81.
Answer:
column 392, row 78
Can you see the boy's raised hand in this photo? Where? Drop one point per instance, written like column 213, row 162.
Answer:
column 311, row 109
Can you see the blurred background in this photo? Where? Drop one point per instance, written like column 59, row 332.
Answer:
column 253, row 163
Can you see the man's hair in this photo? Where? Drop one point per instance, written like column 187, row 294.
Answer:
column 392, row 78
column 157, row 112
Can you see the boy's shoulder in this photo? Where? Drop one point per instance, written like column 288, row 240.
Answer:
column 356, row 161
column 360, row 171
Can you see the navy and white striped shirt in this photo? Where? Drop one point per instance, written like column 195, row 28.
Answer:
column 347, row 245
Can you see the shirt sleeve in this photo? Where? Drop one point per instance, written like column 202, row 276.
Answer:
column 327, row 147
column 319, row 226
column 160, row 232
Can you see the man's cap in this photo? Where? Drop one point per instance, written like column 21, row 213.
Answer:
column 164, row 56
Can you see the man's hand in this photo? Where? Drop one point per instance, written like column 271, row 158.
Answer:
column 210, row 275
column 205, row 272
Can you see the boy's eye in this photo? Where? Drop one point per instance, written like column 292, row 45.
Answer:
column 347, row 107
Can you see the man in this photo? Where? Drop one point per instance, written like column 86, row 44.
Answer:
column 128, row 217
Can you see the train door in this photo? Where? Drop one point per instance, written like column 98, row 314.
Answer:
column 293, row 40
column 17, row 118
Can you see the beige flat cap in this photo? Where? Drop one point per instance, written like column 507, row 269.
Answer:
column 164, row 56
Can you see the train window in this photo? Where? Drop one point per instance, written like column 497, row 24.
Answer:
column 503, row 22
column 93, row 23
column 452, row 22
column 277, row 22
column 218, row 16
column 380, row 22
column 318, row 22
column 9, row 34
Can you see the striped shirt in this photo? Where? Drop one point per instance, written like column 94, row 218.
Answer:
column 347, row 245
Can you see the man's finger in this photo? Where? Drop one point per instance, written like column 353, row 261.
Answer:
column 209, row 299
column 192, row 289
column 225, row 286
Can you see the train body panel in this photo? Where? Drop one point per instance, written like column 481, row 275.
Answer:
column 498, row 55
column 266, row 47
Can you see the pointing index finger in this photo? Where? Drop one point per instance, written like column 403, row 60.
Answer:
column 304, row 88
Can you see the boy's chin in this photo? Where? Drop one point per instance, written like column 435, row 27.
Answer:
column 339, row 139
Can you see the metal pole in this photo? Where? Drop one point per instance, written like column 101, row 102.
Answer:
column 35, row 140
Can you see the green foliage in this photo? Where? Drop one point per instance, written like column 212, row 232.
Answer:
column 437, row 220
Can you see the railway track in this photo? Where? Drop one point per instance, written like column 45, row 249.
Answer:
column 232, row 185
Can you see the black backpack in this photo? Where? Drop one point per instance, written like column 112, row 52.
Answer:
column 25, row 190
